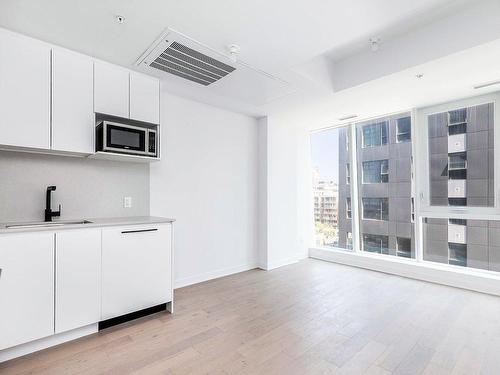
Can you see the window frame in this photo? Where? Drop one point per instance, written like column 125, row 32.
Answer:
column 422, row 182
column 420, row 187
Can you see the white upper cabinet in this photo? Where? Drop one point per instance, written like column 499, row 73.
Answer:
column 24, row 92
column 72, row 102
column 111, row 90
column 26, row 287
column 144, row 98
column 78, row 276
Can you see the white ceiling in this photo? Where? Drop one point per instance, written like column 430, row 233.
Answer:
column 275, row 35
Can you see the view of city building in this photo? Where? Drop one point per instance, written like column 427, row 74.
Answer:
column 384, row 164
column 461, row 173
column 461, row 165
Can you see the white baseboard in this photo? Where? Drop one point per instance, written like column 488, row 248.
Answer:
column 479, row 281
column 280, row 263
column 213, row 275
column 47, row 342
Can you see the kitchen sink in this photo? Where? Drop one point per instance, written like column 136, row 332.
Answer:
column 46, row 224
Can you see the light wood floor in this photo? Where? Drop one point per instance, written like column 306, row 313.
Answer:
column 313, row 317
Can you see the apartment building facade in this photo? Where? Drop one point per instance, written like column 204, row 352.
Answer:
column 384, row 165
column 461, row 172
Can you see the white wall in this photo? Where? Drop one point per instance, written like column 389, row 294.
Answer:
column 288, row 175
column 208, row 181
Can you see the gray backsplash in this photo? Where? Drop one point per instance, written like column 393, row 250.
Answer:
column 86, row 188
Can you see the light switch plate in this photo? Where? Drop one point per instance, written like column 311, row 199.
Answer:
column 127, row 202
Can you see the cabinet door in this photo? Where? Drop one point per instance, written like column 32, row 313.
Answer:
column 144, row 98
column 78, row 276
column 136, row 268
column 24, row 92
column 111, row 90
column 72, row 102
column 26, row 287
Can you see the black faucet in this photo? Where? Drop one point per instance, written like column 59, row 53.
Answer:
column 49, row 214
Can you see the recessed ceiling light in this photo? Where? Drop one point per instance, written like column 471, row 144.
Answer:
column 419, row 75
column 119, row 19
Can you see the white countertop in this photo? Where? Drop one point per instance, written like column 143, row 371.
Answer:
column 59, row 225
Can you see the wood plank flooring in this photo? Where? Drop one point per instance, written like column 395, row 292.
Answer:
column 313, row 317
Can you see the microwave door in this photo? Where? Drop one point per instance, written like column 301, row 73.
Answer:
column 124, row 139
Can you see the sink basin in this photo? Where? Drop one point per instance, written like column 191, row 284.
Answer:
column 47, row 224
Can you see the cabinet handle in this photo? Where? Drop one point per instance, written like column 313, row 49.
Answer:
column 139, row 231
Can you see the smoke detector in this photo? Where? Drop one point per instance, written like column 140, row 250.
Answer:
column 374, row 44
column 234, row 51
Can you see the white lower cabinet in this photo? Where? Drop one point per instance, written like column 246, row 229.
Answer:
column 26, row 287
column 136, row 268
column 78, row 278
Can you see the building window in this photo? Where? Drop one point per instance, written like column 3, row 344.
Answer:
column 349, row 240
column 403, row 133
column 412, row 210
column 375, row 171
column 457, row 121
column 375, row 208
column 457, row 254
column 403, row 247
column 457, row 222
column 375, row 243
column 457, row 166
column 348, row 173
column 348, row 209
column 457, row 201
column 375, row 134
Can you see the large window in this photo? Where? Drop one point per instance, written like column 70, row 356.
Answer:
column 375, row 208
column 375, row 171
column 385, row 184
column 437, row 180
column 331, row 192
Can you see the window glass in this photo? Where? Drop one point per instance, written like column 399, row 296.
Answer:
column 403, row 247
column 375, row 243
column 375, row 208
column 385, row 191
column 403, row 129
column 468, row 243
column 461, row 156
column 330, row 161
column 348, row 173
column 375, row 134
column 376, row 171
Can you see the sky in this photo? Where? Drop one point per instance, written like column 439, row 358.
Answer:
column 325, row 154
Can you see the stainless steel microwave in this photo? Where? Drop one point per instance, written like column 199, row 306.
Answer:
column 126, row 139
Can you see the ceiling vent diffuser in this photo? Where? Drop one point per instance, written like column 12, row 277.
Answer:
column 176, row 57
column 173, row 57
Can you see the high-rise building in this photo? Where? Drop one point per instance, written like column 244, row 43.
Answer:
column 325, row 195
column 384, row 165
column 461, row 172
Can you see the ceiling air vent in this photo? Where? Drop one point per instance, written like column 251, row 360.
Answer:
column 185, row 62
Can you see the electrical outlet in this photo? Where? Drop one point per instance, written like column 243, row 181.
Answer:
column 127, row 202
